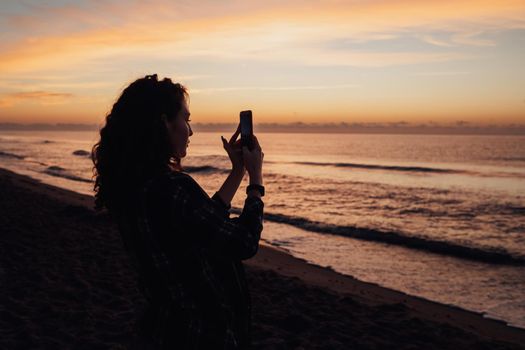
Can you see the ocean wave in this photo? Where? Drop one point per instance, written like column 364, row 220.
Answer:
column 10, row 155
column 400, row 239
column 502, row 174
column 203, row 169
column 55, row 168
column 509, row 159
column 384, row 167
column 416, row 169
column 515, row 210
column 57, row 171
column 81, row 152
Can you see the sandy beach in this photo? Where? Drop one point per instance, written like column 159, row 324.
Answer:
column 66, row 283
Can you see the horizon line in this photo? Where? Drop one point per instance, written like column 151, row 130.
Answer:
column 302, row 127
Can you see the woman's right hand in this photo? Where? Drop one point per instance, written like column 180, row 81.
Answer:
column 253, row 161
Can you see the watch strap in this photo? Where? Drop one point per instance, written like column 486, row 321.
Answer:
column 257, row 187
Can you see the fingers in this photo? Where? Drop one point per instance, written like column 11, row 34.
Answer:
column 225, row 143
column 256, row 144
column 235, row 134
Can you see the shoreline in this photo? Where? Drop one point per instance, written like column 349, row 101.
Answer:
column 322, row 286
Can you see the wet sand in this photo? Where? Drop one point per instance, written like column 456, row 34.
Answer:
column 66, row 282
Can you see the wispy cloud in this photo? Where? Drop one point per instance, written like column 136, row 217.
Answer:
column 472, row 39
column 66, row 82
column 433, row 41
column 275, row 88
column 465, row 38
column 439, row 74
column 40, row 97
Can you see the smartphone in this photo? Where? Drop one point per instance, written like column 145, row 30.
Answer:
column 246, row 129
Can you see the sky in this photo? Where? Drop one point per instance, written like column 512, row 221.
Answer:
column 410, row 61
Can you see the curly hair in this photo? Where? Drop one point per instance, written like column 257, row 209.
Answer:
column 134, row 144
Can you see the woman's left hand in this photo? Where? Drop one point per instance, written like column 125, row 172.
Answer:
column 234, row 150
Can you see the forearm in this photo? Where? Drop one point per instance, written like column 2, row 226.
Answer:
column 255, row 179
column 231, row 185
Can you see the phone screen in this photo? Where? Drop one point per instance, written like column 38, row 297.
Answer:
column 246, row 128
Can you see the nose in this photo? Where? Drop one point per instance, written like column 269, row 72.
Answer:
column 191, row 131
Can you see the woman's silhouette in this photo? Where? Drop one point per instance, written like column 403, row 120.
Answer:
column 185, row 247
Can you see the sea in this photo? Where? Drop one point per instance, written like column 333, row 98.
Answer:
column 440, row 217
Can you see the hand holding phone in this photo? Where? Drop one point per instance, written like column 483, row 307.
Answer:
column 253, row 157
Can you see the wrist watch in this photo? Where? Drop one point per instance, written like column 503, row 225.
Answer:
column 257, row 187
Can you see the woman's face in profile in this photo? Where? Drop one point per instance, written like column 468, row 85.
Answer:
column 179, row 130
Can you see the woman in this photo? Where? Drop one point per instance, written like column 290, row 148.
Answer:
column 185, row 247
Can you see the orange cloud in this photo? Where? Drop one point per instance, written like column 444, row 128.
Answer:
column 42, row 97
column 82, row 44
column 248, row 30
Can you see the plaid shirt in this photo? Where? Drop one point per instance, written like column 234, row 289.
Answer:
column 189, row 251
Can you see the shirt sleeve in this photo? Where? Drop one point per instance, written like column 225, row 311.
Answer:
column 208, row 219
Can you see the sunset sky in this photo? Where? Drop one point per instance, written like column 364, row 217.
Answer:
column 287, row 60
